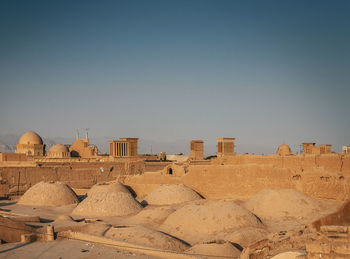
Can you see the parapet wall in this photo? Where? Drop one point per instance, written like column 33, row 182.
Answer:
column 242, row 176
column 243, row 181
column 238, row 177
column 16, row 180
column 329, row 162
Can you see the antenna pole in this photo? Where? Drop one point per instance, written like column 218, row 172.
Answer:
column 87, row 133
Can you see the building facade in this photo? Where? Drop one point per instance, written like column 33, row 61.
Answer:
column 196, row 152
column 82, row 148
column 346, row 149
column 225, row 147
column 284, row 150
column 59, row 151
column 30, row 144
column 311, row 148
column 124, row 147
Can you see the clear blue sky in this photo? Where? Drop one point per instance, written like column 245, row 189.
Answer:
column 265, row 72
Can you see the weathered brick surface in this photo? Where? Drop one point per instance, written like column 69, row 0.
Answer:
column 328, row 250
column 339, row 229
column 318, row 248
column 77, row 175
column 343, row 248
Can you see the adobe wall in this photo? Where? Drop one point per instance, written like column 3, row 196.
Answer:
column 155, row 166
column 147, row 182
column 340, row 217
column 18, row 164
column 6, row 157
column 243, row 181
column 325, row 176
column 16, row 180
column 330, row 162
column 238, row 177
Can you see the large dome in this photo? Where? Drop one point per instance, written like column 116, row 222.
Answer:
column 30, row 137
column 283, row 204
column 59, row 148
column 284, row 150
column 203, row 221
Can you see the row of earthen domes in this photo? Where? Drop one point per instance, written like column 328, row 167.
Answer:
column 33, row 138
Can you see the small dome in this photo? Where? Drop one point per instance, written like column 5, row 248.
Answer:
column 105, row 204
column 109, row 187
column 59, row 148
column 49, row 194
column 284, row 150
column 167, row 194
column 30, row 137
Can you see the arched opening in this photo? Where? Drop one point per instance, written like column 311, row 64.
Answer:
column 170, row 170
column 74, row 153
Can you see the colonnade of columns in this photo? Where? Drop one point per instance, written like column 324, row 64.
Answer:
column 119, row 148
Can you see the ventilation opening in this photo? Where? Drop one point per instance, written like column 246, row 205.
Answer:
column 170, row 171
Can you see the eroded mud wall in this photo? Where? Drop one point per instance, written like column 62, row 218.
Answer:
column 16, row 180
column 242, row 176
column 329, row 162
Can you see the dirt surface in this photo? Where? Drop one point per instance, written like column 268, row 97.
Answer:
column 225, row 250
column 45, row 212
column 288, row 255
column 245, row 236
column 146, row 236
column 64, row 249
column 151, row 216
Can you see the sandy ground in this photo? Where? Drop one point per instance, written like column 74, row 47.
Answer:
column 64, row 249
column 45, row 212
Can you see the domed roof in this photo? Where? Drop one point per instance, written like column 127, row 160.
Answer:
column 171, row 194
column 108, row 187
column 197, row 220
column 49, row 194
column 30, row 137
column 108, row 204
column 59, row 148
column 284, row 150
column 283, row 204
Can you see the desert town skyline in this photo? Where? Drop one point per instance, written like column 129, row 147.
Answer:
column 246, row 206
column 152, row 147
column 178, row 71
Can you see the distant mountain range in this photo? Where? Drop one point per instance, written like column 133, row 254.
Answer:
column 8, row 143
